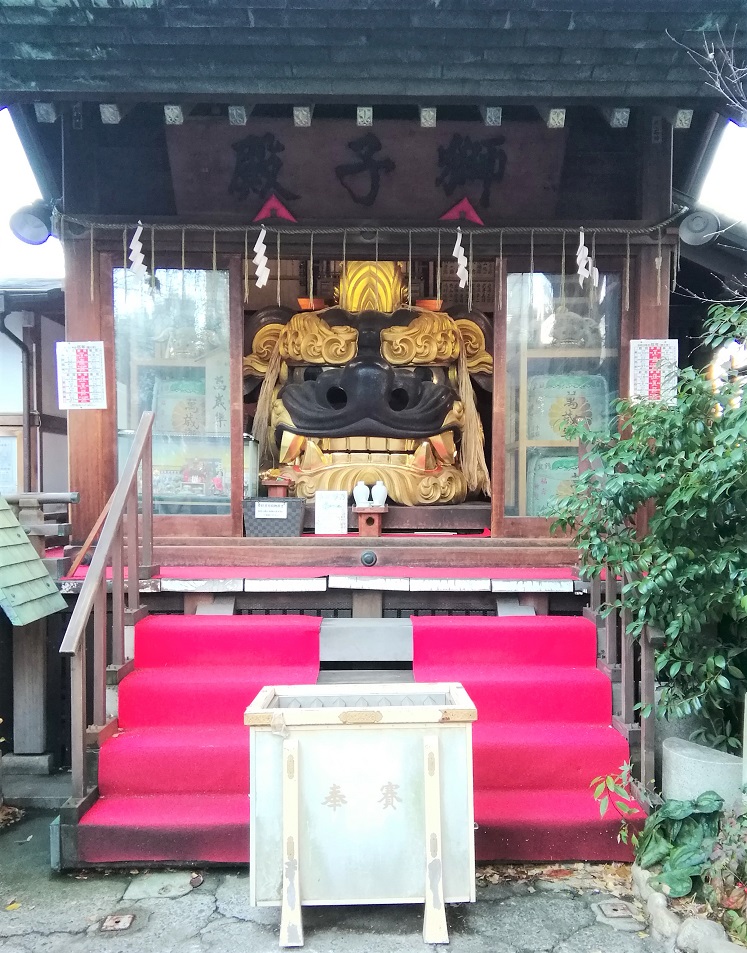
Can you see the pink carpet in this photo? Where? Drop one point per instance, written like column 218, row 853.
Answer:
column 174, row 781
column 543, row 731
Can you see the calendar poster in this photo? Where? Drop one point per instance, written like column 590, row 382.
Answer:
column 653, row 370
column 81, row 380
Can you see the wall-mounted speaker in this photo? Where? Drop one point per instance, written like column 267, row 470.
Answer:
column 699, row 228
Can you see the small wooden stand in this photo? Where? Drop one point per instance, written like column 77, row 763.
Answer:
column 277, row 487
column 369, row 519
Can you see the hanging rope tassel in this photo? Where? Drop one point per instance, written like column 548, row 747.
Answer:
column 472, row 448
column 261, row 426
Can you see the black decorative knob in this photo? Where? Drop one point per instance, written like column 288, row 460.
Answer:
column 369, row 558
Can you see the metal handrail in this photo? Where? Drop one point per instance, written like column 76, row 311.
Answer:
column 122, row 516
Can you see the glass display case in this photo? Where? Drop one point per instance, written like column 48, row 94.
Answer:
column 562, row 365
column 172, row 357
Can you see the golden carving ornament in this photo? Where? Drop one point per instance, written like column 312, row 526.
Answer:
column 263, row 345
column 308, row 339
column 478, row 359
column 404, row 484
column 430, row 338
column 372, row 286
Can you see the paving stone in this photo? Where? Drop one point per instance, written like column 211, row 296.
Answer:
column 695, row 934
column 159, row 885
column 535, row 923
column 601, row 939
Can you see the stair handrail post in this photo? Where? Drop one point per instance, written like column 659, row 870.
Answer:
column 133, row 551
column 611, row 622
column 147, row 497
column 92, row 599
column 651, row 638
column 627, row 662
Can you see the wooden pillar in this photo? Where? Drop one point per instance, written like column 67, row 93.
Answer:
column 91, row 433
column 30, row 688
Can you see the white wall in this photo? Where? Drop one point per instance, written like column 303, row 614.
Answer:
column 11, row 369
column 54, row 463
column 51, row 333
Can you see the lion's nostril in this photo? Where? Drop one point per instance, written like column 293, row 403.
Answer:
column 399, row 399
column 337, row 398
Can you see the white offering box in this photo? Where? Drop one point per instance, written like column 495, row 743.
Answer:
column 361, row 794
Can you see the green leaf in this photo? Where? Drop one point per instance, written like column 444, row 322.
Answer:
column 708, row 803
column 674, row 883
column 603, row 804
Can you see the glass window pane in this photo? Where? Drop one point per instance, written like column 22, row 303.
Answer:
column 172, row 357
column 562, row 363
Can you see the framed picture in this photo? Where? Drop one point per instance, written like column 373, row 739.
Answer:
column 11, row 460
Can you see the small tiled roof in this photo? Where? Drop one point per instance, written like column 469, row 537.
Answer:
column 27, row 592
column 505, row 51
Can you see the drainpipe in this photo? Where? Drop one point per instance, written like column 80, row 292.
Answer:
column 27, row 396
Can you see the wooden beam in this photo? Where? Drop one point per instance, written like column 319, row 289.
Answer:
column 113, row 113
column 237, row 115
column 492, row 115
column 678, row 117
column 428, row 117
column 173, row 115
column 302, row 116
column 364, row 116
column 45, row 112
column 617, row 117
column 554, row 116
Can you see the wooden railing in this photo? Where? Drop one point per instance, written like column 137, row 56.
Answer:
column 629, row 662
column 121, row 521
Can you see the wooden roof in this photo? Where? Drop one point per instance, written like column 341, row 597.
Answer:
column 27, row 592
column 502, row 51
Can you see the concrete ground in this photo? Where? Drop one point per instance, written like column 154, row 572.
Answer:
column 44, row 912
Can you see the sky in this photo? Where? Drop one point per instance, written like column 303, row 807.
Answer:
column 725, row 186
column 18, row 187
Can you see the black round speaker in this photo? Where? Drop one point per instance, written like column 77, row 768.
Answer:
column 369, row 558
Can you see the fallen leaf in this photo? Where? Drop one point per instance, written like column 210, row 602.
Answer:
column 195, row 880
column 13, row 905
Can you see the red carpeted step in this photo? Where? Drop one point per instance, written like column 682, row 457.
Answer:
column 546, row 825
column 539, row 692
column 198, row 695
column 181, row 829
column 256, row 641
column 443, row 643
column 207, row 760
column 541, row 755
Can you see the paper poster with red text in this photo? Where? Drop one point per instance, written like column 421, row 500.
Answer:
column 653, row 370
column 81, row 379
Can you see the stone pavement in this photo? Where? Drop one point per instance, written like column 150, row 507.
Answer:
column 63, row 913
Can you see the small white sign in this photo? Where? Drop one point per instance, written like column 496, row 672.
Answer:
column 81, row 377
column 270, row 510
column 653, row 370
column 8, row 464
column 331, row 512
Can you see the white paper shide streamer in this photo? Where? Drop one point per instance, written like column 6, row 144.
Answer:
column 583, row 261
column 260, row 259
column 136, row 256
column 461, row 258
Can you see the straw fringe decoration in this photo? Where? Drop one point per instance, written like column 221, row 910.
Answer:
column 91, row 263
column 438, row 268
column 658, row 262
column 183, row 261
column 472, row 449
column 626, row 290
column 562, row 277
column 409, row 269
column 675, row 265
column 261, row 426
column 469, row 280
column 124, row 260
column 378, row 299
column 500, row 271
column 531, row 270
column 152, row 257
column 277, row 266
column 311, row 271
column 343, row 283
column 246, row 265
